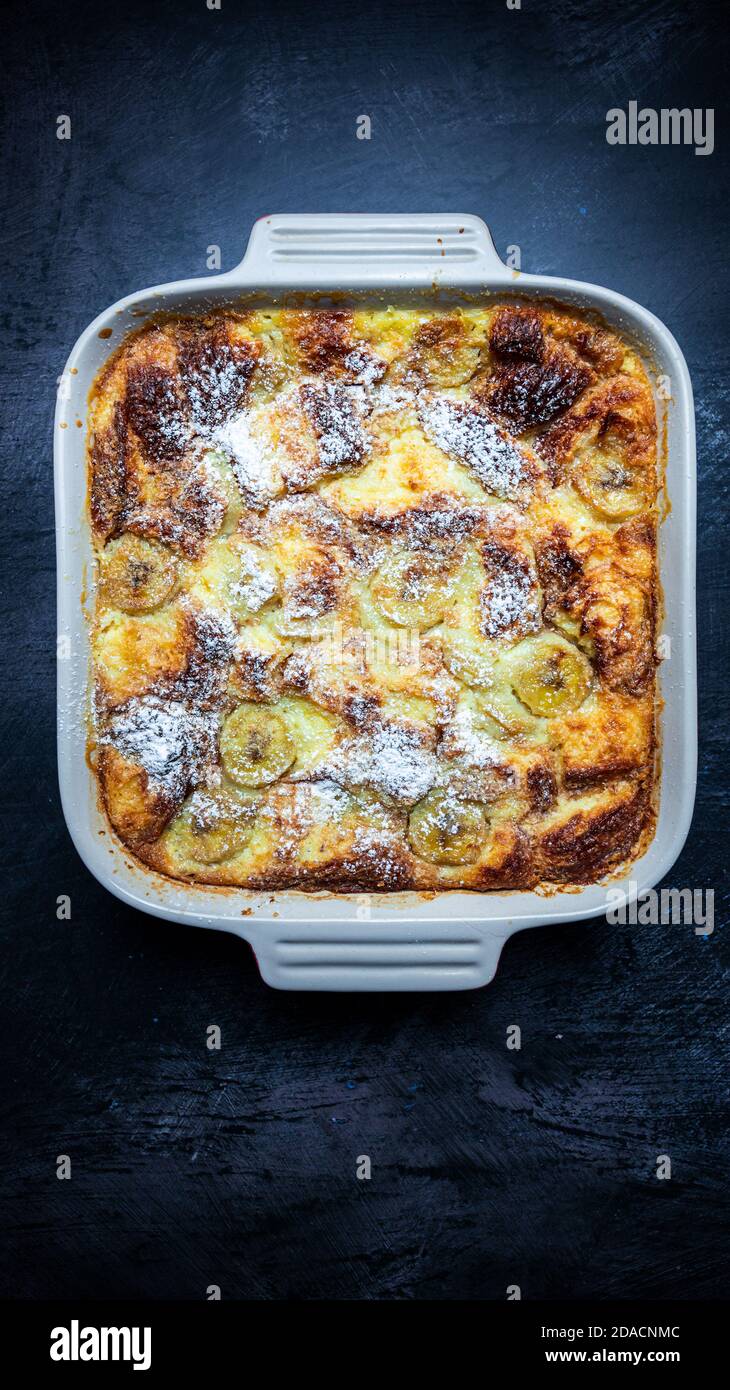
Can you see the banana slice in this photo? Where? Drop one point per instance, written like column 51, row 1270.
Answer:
column 256, row 747
column 452, row 366
column 469, row 657
column 445, row 352
column 237, row 575
column 446, row 830
column 408, row 590
column 475, row 709
column 214, row 827
column 511, row 715
column 613, row 490
column 549, row 675
column 137, row 575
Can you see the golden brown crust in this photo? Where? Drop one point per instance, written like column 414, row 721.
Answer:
column 421, row 549
column 622, row 405
column 138, row 810
column 592, row 840
column 108, row 456
column 517, row 331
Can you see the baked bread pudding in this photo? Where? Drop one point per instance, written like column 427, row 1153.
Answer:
column 376, row 597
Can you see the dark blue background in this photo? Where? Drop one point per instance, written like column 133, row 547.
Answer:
column 237, row 1168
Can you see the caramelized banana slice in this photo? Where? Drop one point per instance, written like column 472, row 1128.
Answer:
column 444, row 352
column 214, row 826
column 549, row 675
column 256, row 747
column 504, row 716
column 409, row 590
column 614, row 490
column 446, row 830
column 136, row 576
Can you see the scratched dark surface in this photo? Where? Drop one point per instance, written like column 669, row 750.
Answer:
column 237, row 1168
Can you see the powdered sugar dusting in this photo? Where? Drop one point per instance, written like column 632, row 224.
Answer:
column 215, row 635
column 385, row 399
column 208, row 812
column 510, row 602
column 473, row 764
column 461, row 738
column 212, row 647
column 476, row 439
column 334, row 413
column 437, row 518
column 268, row 446
column 377, row 850
column 323, row 800
column 390, row 759
column 173, row 734
column 215, row 374
column 366, row 367
column 252, row 456
column 170, row 741
column 192, row 511
column 255, row 587
column 155, row 411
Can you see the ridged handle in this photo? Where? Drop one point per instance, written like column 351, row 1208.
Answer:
column 365, row 957
column 356, row 250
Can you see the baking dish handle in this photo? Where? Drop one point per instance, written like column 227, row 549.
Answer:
column 361, row 249
column 365, row 956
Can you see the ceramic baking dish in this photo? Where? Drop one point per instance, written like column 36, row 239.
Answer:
column 403, row 941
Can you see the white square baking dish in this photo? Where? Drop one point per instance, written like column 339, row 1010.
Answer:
column 401, row 941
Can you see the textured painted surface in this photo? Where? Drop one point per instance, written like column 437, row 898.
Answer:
column 237, row 1168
